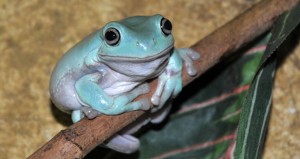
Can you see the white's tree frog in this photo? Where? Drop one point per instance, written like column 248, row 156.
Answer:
column 107, row 70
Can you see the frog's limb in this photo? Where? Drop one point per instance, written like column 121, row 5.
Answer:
column 76, row 115
column 91, row 94
column 169, row 82
column 159, row 115
column 126, row 143
column 188, row 55
column 127, row 97
column 123, row 143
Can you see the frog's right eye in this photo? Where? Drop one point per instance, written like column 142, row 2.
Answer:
column 112, row 36
column 166, row 26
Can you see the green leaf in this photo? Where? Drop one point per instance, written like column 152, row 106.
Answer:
column 256, row 108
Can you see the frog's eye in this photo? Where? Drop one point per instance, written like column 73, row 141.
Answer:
column 112, row 36
column 166, row 26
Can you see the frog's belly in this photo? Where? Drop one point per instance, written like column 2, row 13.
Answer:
column 118, row 88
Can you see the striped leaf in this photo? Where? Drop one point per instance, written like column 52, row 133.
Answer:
column 256, row 108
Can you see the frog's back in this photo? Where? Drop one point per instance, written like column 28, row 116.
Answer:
column 71, row 67
column 73, row 59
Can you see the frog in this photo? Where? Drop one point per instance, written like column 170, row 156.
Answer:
column 108, row 69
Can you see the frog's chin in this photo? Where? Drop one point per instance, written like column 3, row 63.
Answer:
column 140, row 68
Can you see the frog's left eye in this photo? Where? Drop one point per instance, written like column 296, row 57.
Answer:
column 112, row 36
column 166, row 26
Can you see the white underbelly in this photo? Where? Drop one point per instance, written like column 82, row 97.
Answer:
column 120, row 87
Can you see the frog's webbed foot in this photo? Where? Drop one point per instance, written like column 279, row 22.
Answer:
column 123, row 143
column 123, row 103
column 170, row 81
column 120, row 104
column 189, row 55
column 169, row 84
column 90, row 94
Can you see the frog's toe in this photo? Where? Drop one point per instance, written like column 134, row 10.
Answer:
column 90, row 112
column 124, row 143
column 143, row 104
column 143, row 89
column 189, row 55
column 194, row 55
column 191, row 70
column 172, row 89
column 76, row 115
column 155, row 99
column 129, row 96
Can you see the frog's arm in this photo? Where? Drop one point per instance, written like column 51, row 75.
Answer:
column 91, row 94
column 170, row 82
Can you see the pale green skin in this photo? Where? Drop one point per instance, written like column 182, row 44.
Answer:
column 95, row 78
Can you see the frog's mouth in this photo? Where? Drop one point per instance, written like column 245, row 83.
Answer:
column 168, row 50
column 139, row 68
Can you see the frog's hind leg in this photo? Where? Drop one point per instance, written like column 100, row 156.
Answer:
column 158, row 115
column 123, row 143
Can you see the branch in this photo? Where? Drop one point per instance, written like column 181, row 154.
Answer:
column 80, row 138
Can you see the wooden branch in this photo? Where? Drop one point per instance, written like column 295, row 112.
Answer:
column 80, row 138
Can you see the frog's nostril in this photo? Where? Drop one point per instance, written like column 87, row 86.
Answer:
column 141, row 45
column 137, row 43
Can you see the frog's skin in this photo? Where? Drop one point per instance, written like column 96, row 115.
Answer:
column 104, row 72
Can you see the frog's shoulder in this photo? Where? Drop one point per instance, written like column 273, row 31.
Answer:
column 89, row 44
column 85, row 49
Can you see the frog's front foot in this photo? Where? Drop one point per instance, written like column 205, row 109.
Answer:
column 116, row 105
column 123, row 103
column 170, row 81
column 169, row 84
column 189, row 55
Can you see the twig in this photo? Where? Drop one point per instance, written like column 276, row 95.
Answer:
column 80, row 138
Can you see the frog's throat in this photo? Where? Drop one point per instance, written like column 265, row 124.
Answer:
column 168, row 50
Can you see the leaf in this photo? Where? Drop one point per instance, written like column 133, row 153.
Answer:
column 256, row 108
column 205, row 115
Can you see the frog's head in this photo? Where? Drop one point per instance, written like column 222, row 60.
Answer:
column 139, row 44
column 138, row 37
